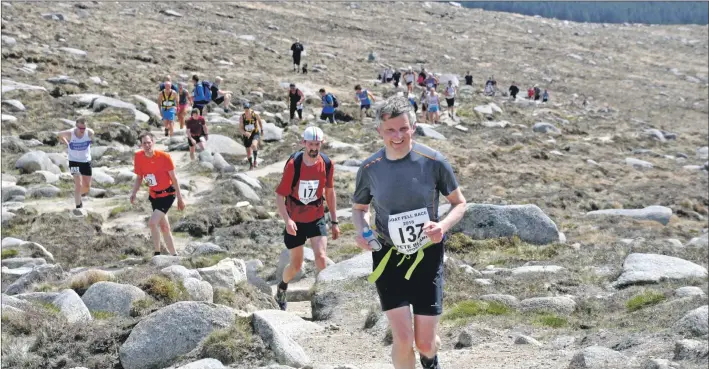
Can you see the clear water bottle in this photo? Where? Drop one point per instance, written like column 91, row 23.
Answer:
column 371, row 239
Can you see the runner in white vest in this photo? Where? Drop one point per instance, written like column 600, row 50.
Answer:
column 79, row 142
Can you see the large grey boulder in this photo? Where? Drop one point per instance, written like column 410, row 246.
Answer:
column 26, row 249
column 203, row 248
column 112, row 297
column 178, row 273
column 227, row 273
column 148, row 106
column 204, row 364
column 692, row 350
column 597, row 357
column 10, row 275
column 225, row 145
column 528, row 222
column 40, row 273
column 271, row 132
column 12, row 191
column 44, row 191
column 277, row 328
column 245, row 190
column 653, row 268
column 660, row 214
column 198, row 290
column 36, row 160
column 329, row 295
column 638, row 164
column 695, row 322
column 544, row 127
column 557, row 304
column 357, row 267
column 23, row 262
column 426, row 130
column 165, row 335
column 306, row 269
column 701, row 241
column 72, row 307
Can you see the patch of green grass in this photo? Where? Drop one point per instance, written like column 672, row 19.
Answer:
column 472, row 308
column 82, row 283
column 459, row 242
column 644, row 299
column 118, row 210
column 203, row 261
column 102, row 315
column 49, row 307
column 345, row 251
column 164, row 289
column 550, row 320
column 347, row 228
column 9, row 253
column 235, row 344
column 141, row 307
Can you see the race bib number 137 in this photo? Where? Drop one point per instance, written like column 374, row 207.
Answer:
column 406, row 230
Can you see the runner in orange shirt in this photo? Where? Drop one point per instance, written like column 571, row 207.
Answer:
column 155, row 168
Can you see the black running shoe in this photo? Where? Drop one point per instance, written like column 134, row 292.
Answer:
column 281, row 299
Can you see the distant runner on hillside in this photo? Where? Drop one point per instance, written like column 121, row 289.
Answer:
column 196, row 129
column 365, row 100
column 295, row 101
column 78, row 141
column 297, row 48
column 514, row 90
column 468, row 79
column 167, row 101
column 250, row 128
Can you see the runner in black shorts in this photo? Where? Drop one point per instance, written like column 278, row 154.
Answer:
column 405, row 179
column 307, row 181
column 251, row 128
column 78, row 141
column 196, row 129
column 156, row 169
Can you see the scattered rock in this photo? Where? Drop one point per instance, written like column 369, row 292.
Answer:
column 34, row 161
column 638, row 164
column 277, row 328
column 179, row 273
column 426, row 130
column 652, row 268
column 188, row 322
column 226, row 273
column 112, row 297
column 198, row 290
column 692, row 350
column 526, row 340
column 543, row 127
column 597, row 357
column 559, row 305
column 204, row 364
column 72, row 307
column 524, row 270
column 701, row 241
column 40, row 273
column 689, row 291
column 482, row 221
column 171, row 13
column 660, row 214
column 694, row 323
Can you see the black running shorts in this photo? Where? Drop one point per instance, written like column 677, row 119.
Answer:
column 450, row 102
column 249, row 140
column 162, row 203
column 77, row 167
column 196, row 139
column 305, row 231
column 423, row 291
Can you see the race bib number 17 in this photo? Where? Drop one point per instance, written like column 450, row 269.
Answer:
column 308, row 191
column 406, row 230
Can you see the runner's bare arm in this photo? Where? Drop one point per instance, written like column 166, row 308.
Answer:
column 64, row 136
column 242, row 130
column 331, row 199
column 175, row 184
column 91, row 133
column 281, row 205
column 302, row 97
column 136, row 186
column 360, row 216
column 457, row 201
column 260, row 124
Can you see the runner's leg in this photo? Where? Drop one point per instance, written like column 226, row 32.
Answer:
column 402, row 351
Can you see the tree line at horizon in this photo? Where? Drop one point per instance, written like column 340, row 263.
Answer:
column 648, row 12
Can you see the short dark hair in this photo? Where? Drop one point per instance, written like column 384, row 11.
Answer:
column 358, row 87
column 195, row 110
column 81, row 120
column 292, row 85
column 322, row 90
column 195, row 78
column 146, row 134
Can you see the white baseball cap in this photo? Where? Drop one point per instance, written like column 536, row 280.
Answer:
column 313, row 133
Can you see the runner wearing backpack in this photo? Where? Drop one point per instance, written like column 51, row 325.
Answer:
column 201, row 94
column 329, row 103
column 307, row 179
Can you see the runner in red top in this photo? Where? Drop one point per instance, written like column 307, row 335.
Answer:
column 308, row 176
column 156, row 169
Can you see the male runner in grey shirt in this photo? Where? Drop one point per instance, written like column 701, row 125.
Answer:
column 404, row 181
